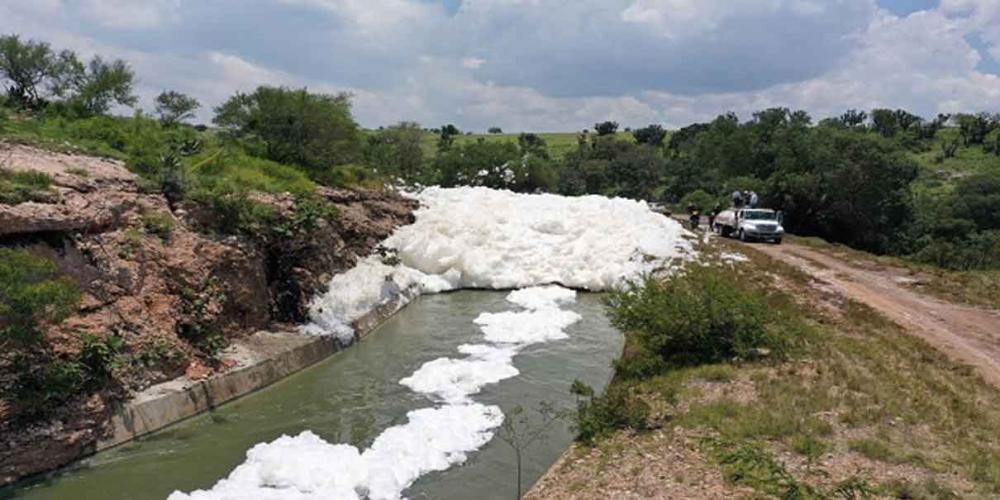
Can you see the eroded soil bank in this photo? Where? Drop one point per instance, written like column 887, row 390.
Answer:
column 167, row 280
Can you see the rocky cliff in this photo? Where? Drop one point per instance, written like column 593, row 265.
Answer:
column 164, row 280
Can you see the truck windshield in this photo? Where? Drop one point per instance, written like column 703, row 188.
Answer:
column 760, row 215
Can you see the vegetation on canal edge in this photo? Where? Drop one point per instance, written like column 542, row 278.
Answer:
column 839, row 403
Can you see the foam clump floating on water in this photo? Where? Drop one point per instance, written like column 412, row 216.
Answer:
column 307, row 467
column 453, row 380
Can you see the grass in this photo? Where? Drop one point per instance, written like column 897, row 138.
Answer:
column 559, row 144
column 158, row 224
column 858, row 384
column 19, row 187
column 874, row 449
column 967, row 160
column 230, row 168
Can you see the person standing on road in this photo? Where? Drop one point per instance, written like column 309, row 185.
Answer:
column 712, row 214
column 737, row 199
column 753, row 199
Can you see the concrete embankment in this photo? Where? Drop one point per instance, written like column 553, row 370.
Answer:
column 262, row 359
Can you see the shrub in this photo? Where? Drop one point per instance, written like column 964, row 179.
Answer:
column 232, row 169
column 101, row 356
column 32, row 292
column 19, row 187
column 600, row 416
column 315, row 131
column 703, row 316
column 158, row 223
column 347, row 175
column 43, row 384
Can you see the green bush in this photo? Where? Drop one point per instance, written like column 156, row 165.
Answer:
column 20, row 187
column 600, row 416
column 702, row 316
column 704, row 201
column 158, row 224
column 44, row 383
column 101, row 356
column 32, row 292
column 294, row 126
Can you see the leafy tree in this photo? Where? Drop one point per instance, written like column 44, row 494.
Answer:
column 495, row 130
column 652, row 135
column 636, row 173
column 975, row 128
column 906, row 120
column 92, row 89
column 856, row 191
column 447, row 137
column 853, row 118
column 533, row 144
column 396, row 151
column 315, row 131
column 977, row 199
column 174, row 107
column 685, row 136
column 928, row 130
column 26, row 65
column 482, row 163
column 606, row 128
column 885, row 122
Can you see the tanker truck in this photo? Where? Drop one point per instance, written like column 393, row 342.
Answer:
column 748, row 224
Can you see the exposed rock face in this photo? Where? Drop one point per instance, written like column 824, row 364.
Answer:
column 165, row 286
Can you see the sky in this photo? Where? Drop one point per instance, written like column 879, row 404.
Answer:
column 546, row 65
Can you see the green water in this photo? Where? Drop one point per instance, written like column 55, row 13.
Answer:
column 351, row 398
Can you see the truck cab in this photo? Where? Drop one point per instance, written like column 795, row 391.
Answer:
column 750, row 224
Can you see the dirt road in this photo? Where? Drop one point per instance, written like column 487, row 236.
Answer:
column 966, row 334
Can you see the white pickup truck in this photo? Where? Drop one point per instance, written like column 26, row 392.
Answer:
column 750, row 224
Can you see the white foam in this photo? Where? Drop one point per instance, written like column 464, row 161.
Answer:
column 463, row 237
column 541, row 296
column 354, row 293
column 454, row 380
column 734, row 257
column 483, row 238
column 498, row 239
column 526, row 326
column 307, row 467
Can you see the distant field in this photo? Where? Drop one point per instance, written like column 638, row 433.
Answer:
column 559, row 143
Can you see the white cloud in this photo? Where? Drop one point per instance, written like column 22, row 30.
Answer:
column 131, row 14
column 546, row 65
column 473, row 62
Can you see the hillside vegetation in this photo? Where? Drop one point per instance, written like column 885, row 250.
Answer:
column 748, row 379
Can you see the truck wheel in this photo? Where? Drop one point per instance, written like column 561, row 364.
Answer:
column 777, row 241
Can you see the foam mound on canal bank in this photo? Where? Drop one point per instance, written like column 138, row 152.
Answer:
column 484, row 238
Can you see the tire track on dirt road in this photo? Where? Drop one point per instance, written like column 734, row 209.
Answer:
column 966, row 334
